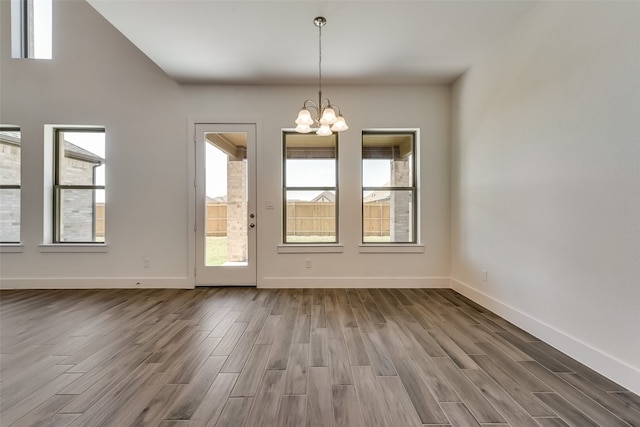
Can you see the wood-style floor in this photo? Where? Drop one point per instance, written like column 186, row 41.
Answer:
column 250, row 357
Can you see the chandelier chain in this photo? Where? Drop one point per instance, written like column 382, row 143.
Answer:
column 320, row 63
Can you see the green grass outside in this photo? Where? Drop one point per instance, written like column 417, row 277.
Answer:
column 216, row 253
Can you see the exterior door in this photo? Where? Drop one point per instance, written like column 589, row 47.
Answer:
column 225, row 204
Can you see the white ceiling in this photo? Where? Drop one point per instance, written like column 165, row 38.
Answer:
column 276, row 42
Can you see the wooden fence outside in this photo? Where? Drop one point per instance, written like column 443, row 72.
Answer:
column 309, row 218
column 100, row 220
column 303, row 219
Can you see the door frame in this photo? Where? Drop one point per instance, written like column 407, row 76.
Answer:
column 191, row 187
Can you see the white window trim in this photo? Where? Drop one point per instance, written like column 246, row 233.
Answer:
column 7, row 248
column 292, row 248
column 396, row 248
column 74, row 248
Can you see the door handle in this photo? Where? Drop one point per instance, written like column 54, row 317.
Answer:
column 252, row 225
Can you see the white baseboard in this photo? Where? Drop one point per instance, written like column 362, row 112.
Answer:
column 616, row 370
column 98, row 283
column 353, row 282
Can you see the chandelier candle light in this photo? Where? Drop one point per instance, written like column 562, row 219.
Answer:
column 326, row 118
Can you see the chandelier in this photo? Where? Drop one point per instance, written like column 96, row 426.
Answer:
column 325, row 118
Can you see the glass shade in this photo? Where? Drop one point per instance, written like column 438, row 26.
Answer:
column 339, row 125
column 328, row 116
column 304, row 118
column 303, row 129
column 324, row 131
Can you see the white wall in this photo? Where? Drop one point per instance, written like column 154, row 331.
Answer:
column 97, row 77
column 546, row 181
column 275, row 108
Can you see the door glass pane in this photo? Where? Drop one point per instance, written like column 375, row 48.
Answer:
column 226, row 199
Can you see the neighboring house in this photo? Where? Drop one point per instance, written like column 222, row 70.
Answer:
column 324, row 197
column 78, row 207
column 377, row 196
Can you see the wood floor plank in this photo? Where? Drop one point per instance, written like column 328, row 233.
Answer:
column 280, row 351
column 43, row 411
column 319, row 351
column 479, row 406
column 525, row 398
column 551, row 422
column 346, row 408
column 267, row 401
column 230, row 339
column 249, row 380
column 374, row 409
column 500, row 399
column 192, row 395
column 295, row 380
column 435, row 380
column 339, row 362
column 319, row 411
column 235, row 412
column 154, row 411
column 540, row 356
column 238, row 357
column 569, row 413
column 512, row 368
column 401, row 410
column 459, row 414
column 578, row 399
column 214, row 400
column 355, row 347
column 292, row 412
column 422, row 398
column 380, row 360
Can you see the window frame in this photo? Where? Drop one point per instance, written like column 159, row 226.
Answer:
column 57, row 188
column 413, row 187
column 31, row 29
column 286, row 188
column 9, row 128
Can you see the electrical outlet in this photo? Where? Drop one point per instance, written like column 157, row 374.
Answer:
column 485, row 275
column 146, row 263
column 307, row 263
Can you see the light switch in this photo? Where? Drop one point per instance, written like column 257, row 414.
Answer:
column 268, row 204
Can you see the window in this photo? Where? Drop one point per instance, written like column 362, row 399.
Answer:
column 31, row 23
column 79, row 185
column 10, row 166
column 310, row 191
column 389, row 194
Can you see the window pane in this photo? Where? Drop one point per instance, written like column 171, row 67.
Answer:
column 310, row 160
column 9, row 157
column 10, row 170
column 387, row 160
column 81, row 215
column 31, row 29
column 388, row 216
column 9, row 215
column 311, row 217
column 82, row 158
